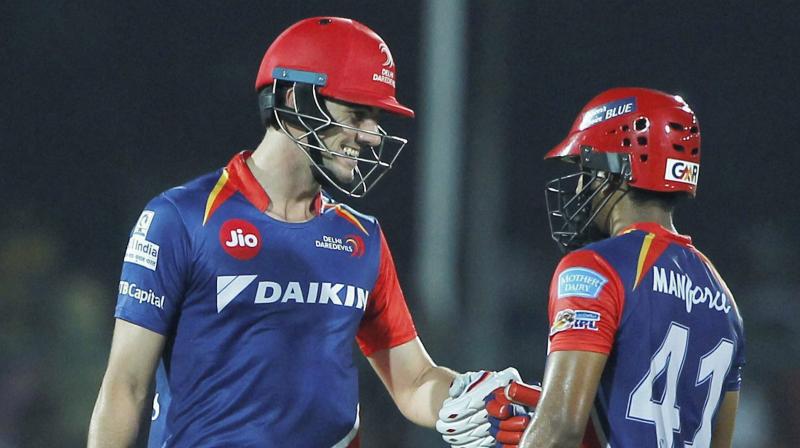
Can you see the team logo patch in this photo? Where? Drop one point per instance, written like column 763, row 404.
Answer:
column 682, row 171
column 575, row 320
column 385, row 50
column 240, row 239
column 357, row 243
column 580, row 282
column 608, row 111
column 352, row 244
column 386, row 75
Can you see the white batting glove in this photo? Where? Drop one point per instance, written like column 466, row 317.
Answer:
column 485, row 442
column 463, row 420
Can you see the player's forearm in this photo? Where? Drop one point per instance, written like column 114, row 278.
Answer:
column 115, row 419
column 553, row 433
column 726, row 421
column 422, row 403
column 557, row 423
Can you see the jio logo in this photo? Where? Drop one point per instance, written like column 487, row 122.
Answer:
column 240, row 239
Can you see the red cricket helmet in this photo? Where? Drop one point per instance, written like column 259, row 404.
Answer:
column 658, row 131
column 344, row 58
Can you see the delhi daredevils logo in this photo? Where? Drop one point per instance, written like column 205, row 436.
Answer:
column 357, row 243
column 240, row 239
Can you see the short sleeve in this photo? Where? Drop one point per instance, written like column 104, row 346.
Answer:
column 585, row 304
column 387, row 322
column 151, row 286
column 733, row 381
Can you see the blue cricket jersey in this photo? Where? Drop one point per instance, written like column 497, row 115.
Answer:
column 259, row 315
column 670, row 327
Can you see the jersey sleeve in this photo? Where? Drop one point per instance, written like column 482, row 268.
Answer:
column 387, row 322
column 585, row 304
column 151, row 286
column 733, row 381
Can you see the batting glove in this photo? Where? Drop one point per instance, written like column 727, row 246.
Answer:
column 463, row 419
column 510, row 411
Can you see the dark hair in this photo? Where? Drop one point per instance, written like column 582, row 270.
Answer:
column 665, row 200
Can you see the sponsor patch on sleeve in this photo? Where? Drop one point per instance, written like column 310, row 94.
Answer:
column 148, row 296
column 143, row 224
column 580, row 282
column 141, row 251
column 575, row 320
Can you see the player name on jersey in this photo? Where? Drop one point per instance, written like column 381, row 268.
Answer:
column 682, row 287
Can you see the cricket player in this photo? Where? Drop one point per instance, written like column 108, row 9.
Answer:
column 646, row 343
column 246, row 287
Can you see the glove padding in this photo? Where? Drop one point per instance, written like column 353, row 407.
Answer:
column 510, row 411
column 463, row 419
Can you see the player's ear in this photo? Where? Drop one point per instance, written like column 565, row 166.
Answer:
column 288, row 98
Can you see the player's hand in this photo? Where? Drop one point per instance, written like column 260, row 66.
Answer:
column 463, row 420
column 510, row 410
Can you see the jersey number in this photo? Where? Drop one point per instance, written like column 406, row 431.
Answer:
column 668, row 360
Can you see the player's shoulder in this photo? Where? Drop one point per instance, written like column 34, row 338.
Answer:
column 193, row 194
column 186, row 202
column 625, row 244
column 620, row 251
column 601, row 261
column 606, row 251
column 583, row 273
column 339, row 210
column 329, row 203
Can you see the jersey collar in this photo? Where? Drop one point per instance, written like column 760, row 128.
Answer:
column 246, row 183
column 659, row 231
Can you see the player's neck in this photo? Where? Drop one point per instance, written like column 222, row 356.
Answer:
column 629, row 214
column 283, row 172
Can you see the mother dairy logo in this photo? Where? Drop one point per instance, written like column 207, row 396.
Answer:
column 580, row 282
